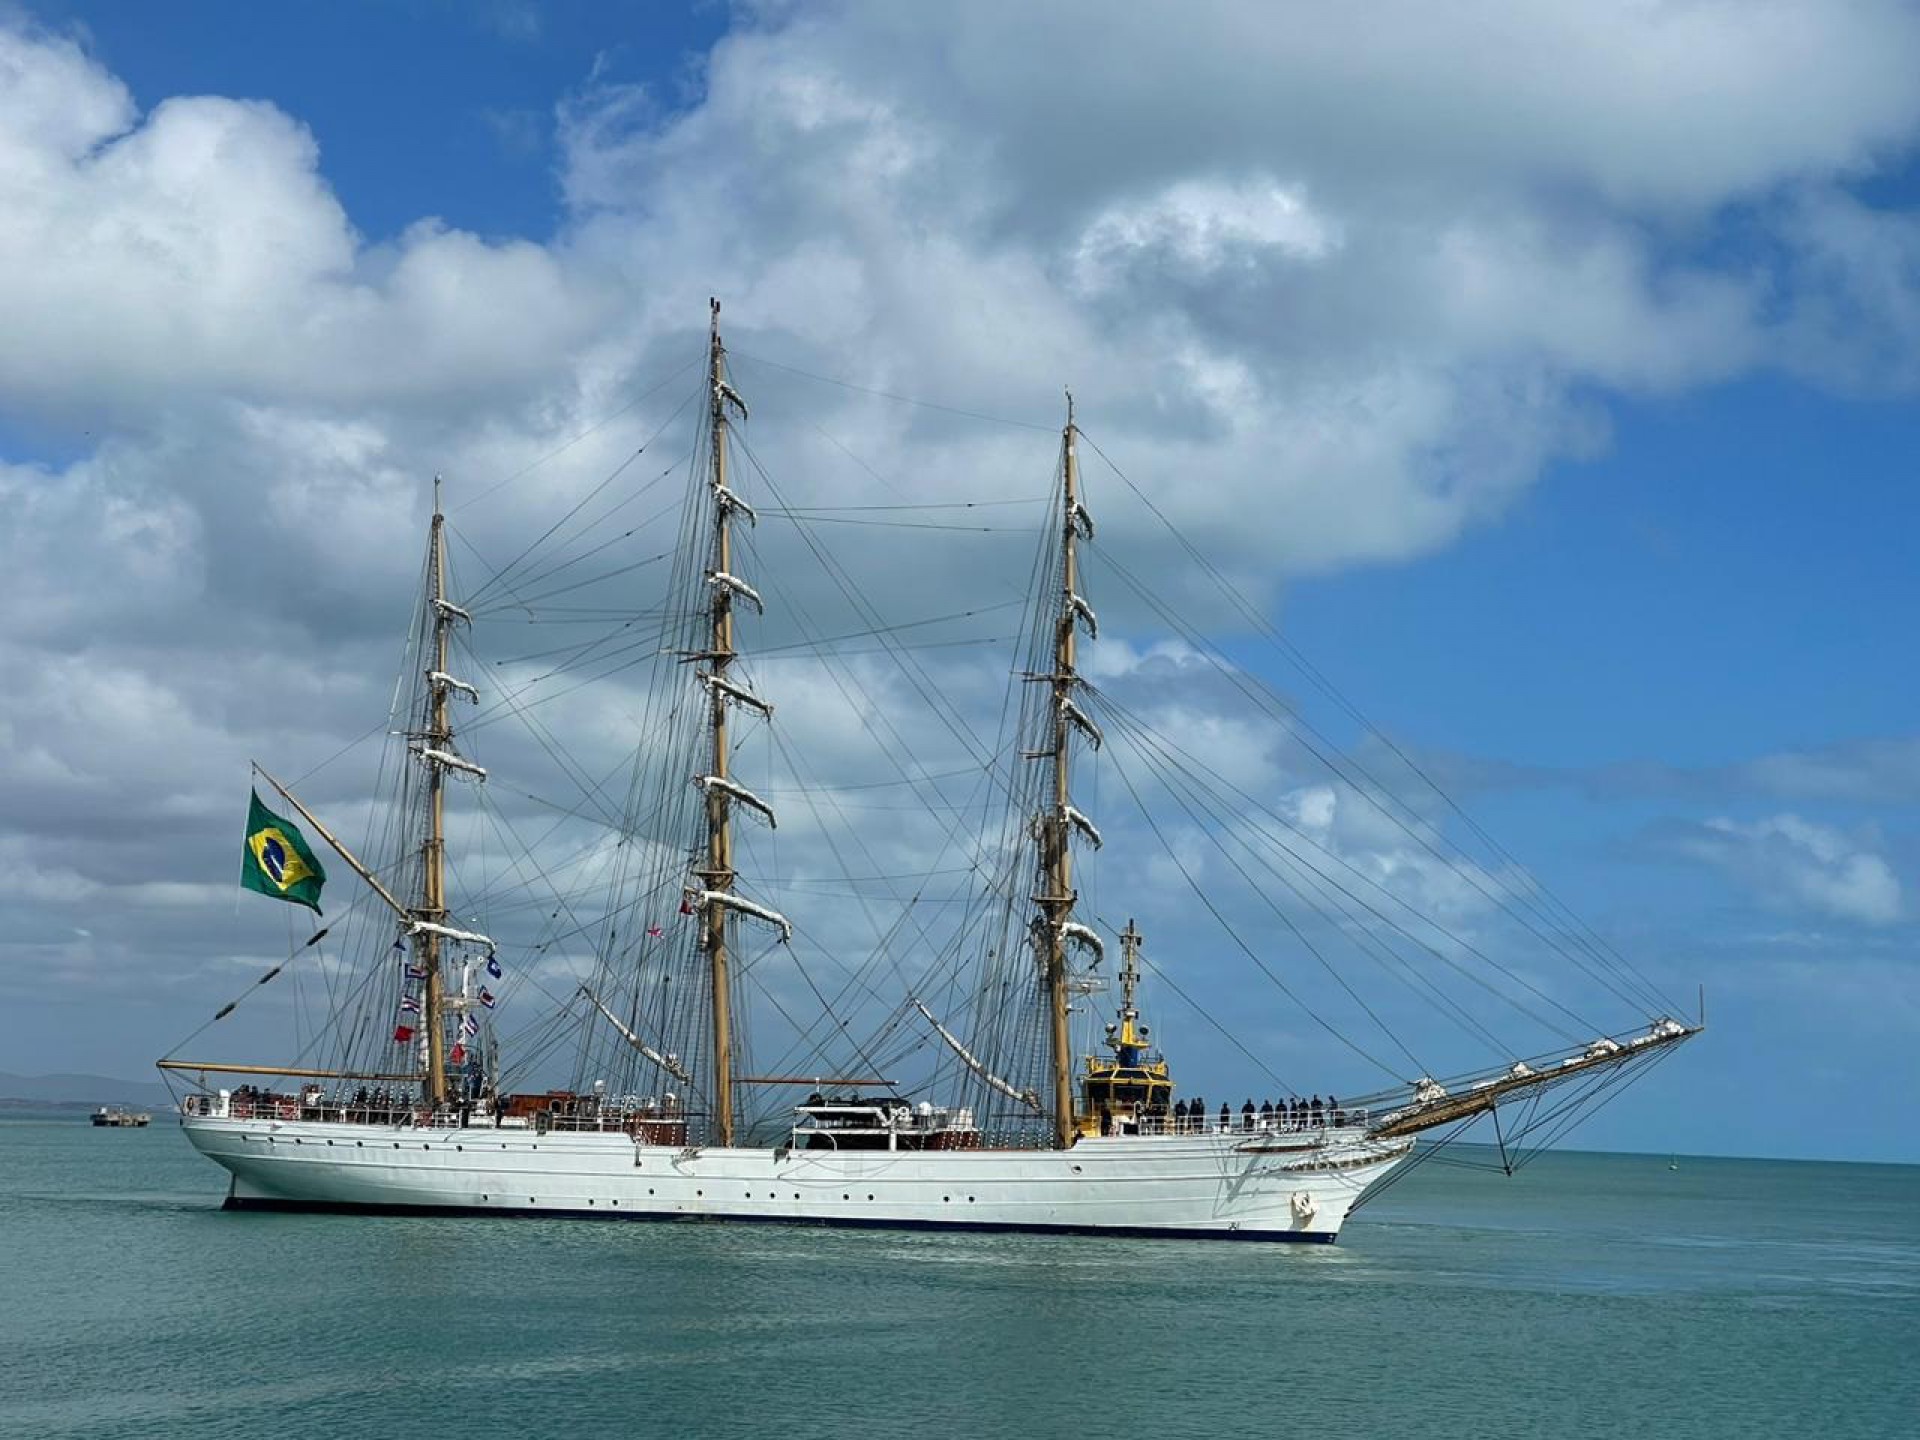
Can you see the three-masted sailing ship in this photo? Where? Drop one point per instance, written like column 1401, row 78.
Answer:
column 405, row 1098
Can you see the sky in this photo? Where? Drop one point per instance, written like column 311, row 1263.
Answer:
column 1546, row 374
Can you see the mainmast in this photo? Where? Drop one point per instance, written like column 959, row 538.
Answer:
column 716, row 896
column 1057, row 824
column 719, row 871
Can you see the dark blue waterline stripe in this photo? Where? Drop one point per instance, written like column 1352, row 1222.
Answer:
column 1128, row 1232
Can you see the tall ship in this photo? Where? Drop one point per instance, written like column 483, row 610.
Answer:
column 679, row 1016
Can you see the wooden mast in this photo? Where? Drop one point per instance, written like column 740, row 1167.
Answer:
column 1056, row 827
column 439, row 739
column 719, row 870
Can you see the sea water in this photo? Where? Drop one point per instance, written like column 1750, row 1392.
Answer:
column 1623, row 1295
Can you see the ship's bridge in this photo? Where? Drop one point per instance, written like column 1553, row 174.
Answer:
column 1129, row 1090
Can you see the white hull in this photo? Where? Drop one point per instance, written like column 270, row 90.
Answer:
column 1226, row 1185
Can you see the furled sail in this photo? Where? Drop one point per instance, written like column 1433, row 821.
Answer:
column 1013, row 1092
column 669, row 1063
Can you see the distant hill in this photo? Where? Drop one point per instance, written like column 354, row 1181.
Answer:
column 81, row 1090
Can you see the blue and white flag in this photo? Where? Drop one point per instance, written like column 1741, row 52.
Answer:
column 469, row 1026
column 493, row 967
column 409, row 1005
column 486, row 997
column 416, row 972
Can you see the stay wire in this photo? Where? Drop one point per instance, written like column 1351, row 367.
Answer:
column 1371, row 792
column 1267, row 629
column 1189, row 765
column 591, row 430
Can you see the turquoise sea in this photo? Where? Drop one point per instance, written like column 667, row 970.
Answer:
column 1590, row 1294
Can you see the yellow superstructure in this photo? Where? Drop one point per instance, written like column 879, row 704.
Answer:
column 1130, row 1090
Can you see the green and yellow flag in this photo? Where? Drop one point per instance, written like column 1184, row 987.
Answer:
column 277, row 861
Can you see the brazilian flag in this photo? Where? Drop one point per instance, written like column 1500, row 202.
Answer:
column 277, row 861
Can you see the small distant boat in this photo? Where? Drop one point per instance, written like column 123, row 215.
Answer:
column 113, row 1117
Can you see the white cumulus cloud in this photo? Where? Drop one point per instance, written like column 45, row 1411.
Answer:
column 1335, row 285
column 1798, row 864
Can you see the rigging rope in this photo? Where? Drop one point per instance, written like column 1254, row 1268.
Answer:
column 1266, row 628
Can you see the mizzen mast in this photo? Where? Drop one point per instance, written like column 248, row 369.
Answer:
column 1058, row 822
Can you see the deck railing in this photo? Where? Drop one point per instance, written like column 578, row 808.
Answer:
column 403, row 1112
column 1255, row 1124
column 618, row 1118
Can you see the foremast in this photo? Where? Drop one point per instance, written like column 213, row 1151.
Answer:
column 429, row 916
column 424, row 922
column 1056, row 824
column 715, row 897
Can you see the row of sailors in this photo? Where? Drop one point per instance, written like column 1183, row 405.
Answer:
column 382, row 1106
column 250, row 1101
column 1191, row 1116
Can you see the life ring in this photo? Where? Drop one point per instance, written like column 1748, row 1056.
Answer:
column 1303, row 1207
